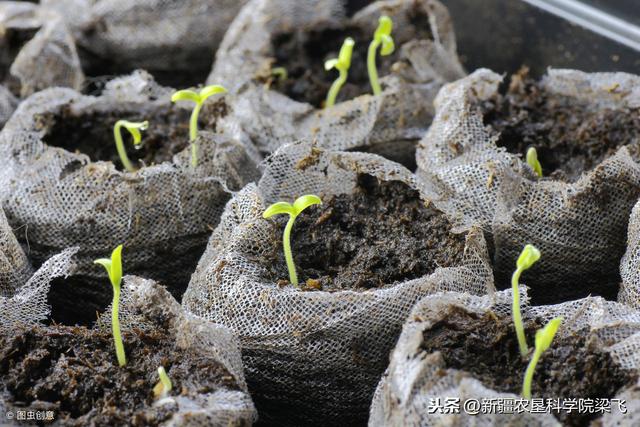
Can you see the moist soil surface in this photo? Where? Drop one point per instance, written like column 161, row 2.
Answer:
column 381, row 234
column 570, row 137
column 91, row 133
column 303, row 54
column 487, row 347
column 73, row 371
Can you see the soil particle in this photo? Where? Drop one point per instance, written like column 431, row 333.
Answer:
column 379, row 235
column 303, row 54
column 74, row 372
column 486, row 347
column 571, row 137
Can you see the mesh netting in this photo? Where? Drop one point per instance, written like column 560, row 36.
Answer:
column 8, row 104
column 578, row 226
column 311, row 357
column 630, row 265
column 163, row 213
column 389, row 124
column 14, row 265
column 413, row 377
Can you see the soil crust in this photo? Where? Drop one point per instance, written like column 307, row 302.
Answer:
column 303, row 54
column 381, row 234
column 73, row 371
column 570, row 137
column 486, row 346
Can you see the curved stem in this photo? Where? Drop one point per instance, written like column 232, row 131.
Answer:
column 193, row 133
column 371, row 67
column 288, row 256
column 115, row 327
column 515, row 312
column 528, row 375
column 117, row 135
column 335, row 88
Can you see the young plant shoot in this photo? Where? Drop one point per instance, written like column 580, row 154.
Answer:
column 113, row 266
column 544, row 337
column 381, row 37
column 527, row 258
column 293, row 211
column 342, row 64
column 198, row 98
column 164, row 386
column 134, row 129
column 280, row 73
column 532, row 160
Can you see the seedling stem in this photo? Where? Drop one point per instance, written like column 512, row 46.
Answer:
column 134, row 129
column 532, row 160
column 526, row 259
column 342, row 64
column 382, row 36
column 544, row 337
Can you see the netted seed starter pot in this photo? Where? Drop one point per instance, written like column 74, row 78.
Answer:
column 62, row 184
column 457, row 345
column 585, row 130
column 299, row 36
column 72, row 371
column 313, row 354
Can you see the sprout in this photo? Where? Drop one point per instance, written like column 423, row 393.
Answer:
column 114, row 270
column 532, row 160
column 342, row 64
column 134, row 129
column 382, row 36
column 164, row 386
column 198, row 98
column 526, row 259
column 293, row 211
column 544, row 337
column 280, row 73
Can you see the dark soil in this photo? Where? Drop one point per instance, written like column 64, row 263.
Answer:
column 73, row 371
column 303, row 54
column 486, row 346
column 570, row 137
column 379, row 235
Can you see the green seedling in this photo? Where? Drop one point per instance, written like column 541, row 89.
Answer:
column 381, row 37
column 134, row 129
column 342, row 64
column 544, row 337
column 527, row 258
column 532, row 160
column 113, row 266
column 293, row 211
column 198, row 98
column 164, row 386
column 280, row 73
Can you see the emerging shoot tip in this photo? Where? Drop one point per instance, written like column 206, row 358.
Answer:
column 164, row 386
column 381, row 37
column 134, row 129
column 544, row 337
column 342, row 63
column 532, row 160
column 526, row 259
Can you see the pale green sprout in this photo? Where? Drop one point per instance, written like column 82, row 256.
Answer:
column 134, row 129
column 280, row 73
column 532, row 160
column 113, row 266
column 527, row 258
column 198, row 98
column 293, row 211
column 381, row 37
column 342, row 64
column 544, row 337
column 164, row 386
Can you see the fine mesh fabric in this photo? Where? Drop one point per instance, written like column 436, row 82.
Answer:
column 579, row 227
column 8, row 104
column 630, row 266
column 389, row 124
column 414, row 377
column 315, row 356
column 15, row 269
column 142, row 303
column 162, row 213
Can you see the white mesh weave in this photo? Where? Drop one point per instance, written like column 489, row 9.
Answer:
column 310, row 346
column 389, row 124
column 630, row 265
column 14, row 265
column 579, row 227
column 413, row 377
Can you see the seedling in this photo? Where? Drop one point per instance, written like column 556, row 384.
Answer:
column 293, row 211
column 164, row 386
column 544, row 337
column 198, row 98
column 113, row 266
column 280, row 73
column 532, row 160
column 342, row 64
column 527, row 258
column 134, row 129
column 381, row 37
